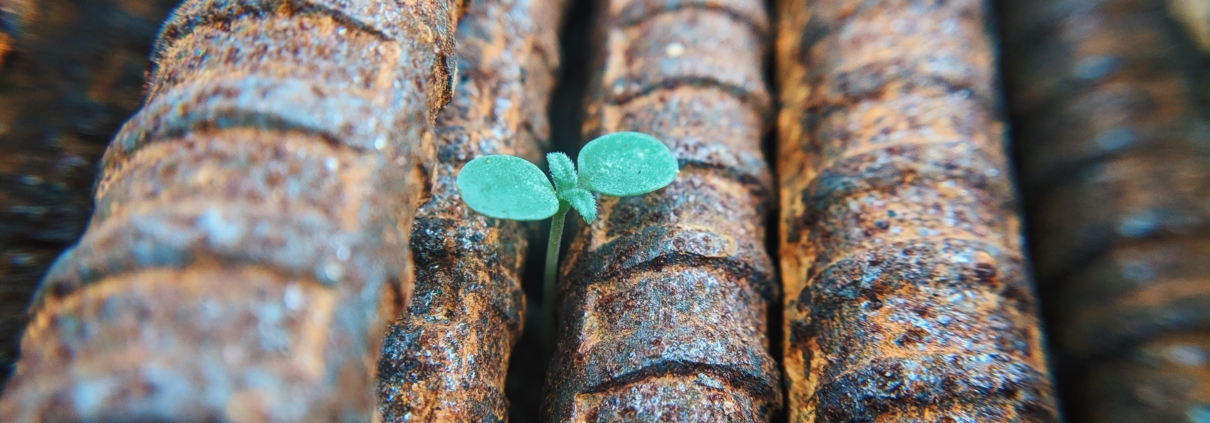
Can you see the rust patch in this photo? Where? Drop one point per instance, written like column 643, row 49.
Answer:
column 1116, row 173
column 71, row 72
column 663, row 300
column 907, row 297
column 445, row 360
column 250, row 238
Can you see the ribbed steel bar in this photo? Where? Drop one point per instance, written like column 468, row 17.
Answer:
column 250, row 238
column 664, row 298
column 1115, row 165
column 907, row 296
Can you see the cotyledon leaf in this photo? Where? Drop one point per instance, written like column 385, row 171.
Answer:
column 507, row 187
column 626, row 163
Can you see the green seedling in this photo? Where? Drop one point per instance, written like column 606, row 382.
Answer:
column 620, row 164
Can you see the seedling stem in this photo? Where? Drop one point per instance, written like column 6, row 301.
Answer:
column 550, row 278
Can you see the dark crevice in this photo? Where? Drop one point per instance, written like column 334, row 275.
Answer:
column 527, row 368
column 775, row 312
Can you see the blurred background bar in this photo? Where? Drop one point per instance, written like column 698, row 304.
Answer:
column 249, row 244
column 71, row 71
column 1113, row 155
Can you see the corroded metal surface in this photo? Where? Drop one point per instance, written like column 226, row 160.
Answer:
column 250, row 238
column 663, row 299
column 907, row 297
column 1116, row 169
column 70, row 71
column 445, row 360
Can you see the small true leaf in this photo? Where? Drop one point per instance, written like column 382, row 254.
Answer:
column 563, row 171
column 507, row 187
column 626, row 163
column 582, row 201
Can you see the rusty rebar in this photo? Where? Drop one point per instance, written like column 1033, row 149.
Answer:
column 907, row 297
column 70, row 72
column 663, row 299
column 446, row 359
column 250, row 238
column 1115, row 167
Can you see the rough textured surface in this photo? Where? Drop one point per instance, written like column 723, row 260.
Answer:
column 250, row 238
column 663, row 299
column 445, row 360
column 1116, row 170
column 907, row 297
column 70, row 72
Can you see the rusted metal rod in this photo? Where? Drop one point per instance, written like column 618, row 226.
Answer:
column 907, row 297
column 446, row 358
column 663, row 299
column 250, row 238
column 1116, row 172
